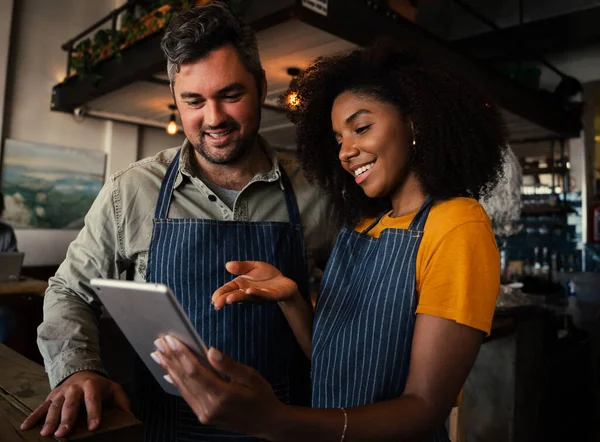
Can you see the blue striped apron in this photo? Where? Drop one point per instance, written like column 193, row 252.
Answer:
column 189, row 255
column 365, row 317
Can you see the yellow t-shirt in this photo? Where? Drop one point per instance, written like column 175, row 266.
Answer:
column 458, row 264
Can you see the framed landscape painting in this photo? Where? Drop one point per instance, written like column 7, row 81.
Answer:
column 49, row 187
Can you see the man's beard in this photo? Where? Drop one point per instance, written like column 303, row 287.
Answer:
column 241, row 147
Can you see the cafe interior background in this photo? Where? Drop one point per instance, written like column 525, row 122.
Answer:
column 84, row 93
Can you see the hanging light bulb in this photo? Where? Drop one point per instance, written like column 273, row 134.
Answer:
column 293, row 100
column 172, row 128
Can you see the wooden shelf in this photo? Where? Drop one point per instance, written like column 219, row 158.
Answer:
column 545, row 210
column 544, row 170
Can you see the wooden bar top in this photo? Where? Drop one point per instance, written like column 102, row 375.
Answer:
column 24, row 386
column 26, row 286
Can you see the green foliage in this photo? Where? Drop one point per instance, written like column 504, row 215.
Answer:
column 136, row 24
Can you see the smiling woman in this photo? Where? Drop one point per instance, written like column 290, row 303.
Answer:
column 452, row 132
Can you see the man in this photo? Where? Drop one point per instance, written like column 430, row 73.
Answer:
column 170, row 217
column 8, row 240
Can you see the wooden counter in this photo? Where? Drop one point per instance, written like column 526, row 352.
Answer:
column 23, row 301
column 24, row 386
column 24, row 287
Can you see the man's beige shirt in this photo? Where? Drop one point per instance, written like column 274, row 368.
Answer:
column 117, row 234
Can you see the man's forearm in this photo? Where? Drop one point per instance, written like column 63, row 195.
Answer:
column 68, row 337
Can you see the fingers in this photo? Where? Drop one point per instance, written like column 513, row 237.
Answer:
column 63, row 404
column 220, row 295
column 240, row 267
column 92, row 398
column 53, row 416
column 69, row 411
column 36, row 415
column 249, row 295
column 184, row 368
column 239, row 373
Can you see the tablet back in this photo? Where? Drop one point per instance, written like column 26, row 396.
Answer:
column 145, row 312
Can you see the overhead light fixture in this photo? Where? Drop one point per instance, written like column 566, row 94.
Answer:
column 172, row 128
column 294, row 71
column 293, row 100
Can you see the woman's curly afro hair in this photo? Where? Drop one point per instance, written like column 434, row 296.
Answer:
column 460, row 135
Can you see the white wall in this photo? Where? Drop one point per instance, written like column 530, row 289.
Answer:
column 42, row 27
column 153, row 140
column 6, row 10
column 121, row 146
column 40, row 63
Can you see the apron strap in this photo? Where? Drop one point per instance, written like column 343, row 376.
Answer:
column 290, row 198
column 417, row 223
column 166, row 193
column 166, row 189
column 374, row 223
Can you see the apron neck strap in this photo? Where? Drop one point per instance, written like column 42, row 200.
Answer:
column 417, row 223
column 166, row 189
column 166, row 193
column 290, row 198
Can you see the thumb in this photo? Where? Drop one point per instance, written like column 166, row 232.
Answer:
column 239, row 267
column 238, row 373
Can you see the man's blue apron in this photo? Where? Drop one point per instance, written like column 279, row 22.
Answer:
column 189, row 256
column 365, row 317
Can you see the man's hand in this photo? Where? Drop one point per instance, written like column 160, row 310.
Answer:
column 62, row 404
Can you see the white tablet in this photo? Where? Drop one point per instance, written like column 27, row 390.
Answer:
column 145, row 312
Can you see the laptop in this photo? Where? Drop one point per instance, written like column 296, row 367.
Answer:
column 10, row 266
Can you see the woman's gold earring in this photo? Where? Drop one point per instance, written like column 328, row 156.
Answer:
column 412, row 129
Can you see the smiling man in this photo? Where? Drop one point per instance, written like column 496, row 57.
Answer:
column 176, row 219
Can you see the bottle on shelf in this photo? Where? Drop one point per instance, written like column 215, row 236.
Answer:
column 545, row 264
column 570, row 268
column 527, row 268
column 554, row 265
column 537, row 265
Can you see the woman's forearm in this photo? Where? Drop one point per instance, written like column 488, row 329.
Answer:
column 299, row 315
column 406, row 419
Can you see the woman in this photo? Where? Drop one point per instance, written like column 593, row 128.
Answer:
column 406, row 149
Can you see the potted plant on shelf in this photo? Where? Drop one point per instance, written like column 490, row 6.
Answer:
column 138, row 23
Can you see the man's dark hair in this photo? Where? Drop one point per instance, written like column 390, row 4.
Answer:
column 195, row 32
column 460, row 135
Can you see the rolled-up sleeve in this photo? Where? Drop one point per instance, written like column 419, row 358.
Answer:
column 68, row 337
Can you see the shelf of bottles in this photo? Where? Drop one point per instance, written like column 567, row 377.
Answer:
column 550, row 239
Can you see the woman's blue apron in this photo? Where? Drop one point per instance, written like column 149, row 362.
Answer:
column 365, row 317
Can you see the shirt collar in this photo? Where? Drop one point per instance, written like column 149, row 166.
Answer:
column 187, row 154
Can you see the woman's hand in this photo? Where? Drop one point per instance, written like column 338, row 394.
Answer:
column 257, row 281
column 246, row 404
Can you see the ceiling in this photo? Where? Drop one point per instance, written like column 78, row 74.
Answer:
column 292, row 37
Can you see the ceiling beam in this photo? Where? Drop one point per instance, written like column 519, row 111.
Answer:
column 362, row 21
column 357, row 21
column 547, row 36
column 162, row 82
column 139, row 62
